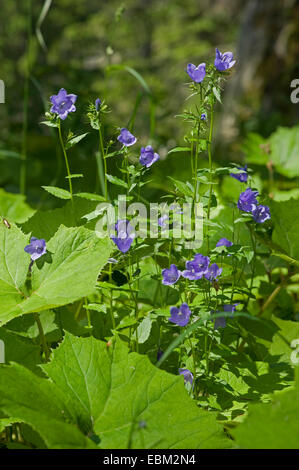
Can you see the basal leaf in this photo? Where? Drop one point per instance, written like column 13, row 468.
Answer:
column 74, row 257
column 129, row 402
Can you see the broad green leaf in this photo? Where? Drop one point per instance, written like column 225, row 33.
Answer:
column 26, row 326
column 14, row 265
column 74, row 257
column 278, row 348
column 57, row 192
column 286, row 226
column 44, row 224
column 271, row 426
column 14, row 208
column 253, row 147
column 284, row 145
column 118, row 398
column 116, row 391
column 21, row 350
column 25, row 397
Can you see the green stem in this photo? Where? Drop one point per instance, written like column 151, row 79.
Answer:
column 66, row 160
column 253, row 261
column 134, row 300
column 42, row 336
column 111, row 298
column 211, row 172
column 195, row 164
column 26, row 102
column 100, row 167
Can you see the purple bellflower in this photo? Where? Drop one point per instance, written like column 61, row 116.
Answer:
column 203, row 117
column 188, row 376
column 126, row 138
column 180, row 316
column 171, row 275
column 261, row 214
column 63, row 103
column 36, row 249
column 97, row 103
column 148, row 156
column 125, row 235
column 213, row 272
column 224, row 242
column 247, row 200
column 224, row 61
column 196, row 268
column 197, row 74
column 242, row 177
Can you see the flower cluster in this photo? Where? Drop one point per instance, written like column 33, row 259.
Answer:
column 248, row 203
column 222, row 62
column 197, row 268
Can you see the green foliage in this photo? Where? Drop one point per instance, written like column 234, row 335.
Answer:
column 285, row 233
column 95, row 390
column 271, row 426
column 49, row 284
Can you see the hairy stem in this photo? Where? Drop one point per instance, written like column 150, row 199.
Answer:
column 66, row 160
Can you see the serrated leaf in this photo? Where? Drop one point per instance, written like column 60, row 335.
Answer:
column 14, row 208
column 44, row 224
column 75, row 140
column 286, row 226
column 217, row 94
column 116, row 181
column 74, row 256
column 111, row 389
column 37, row 402
column 271, row 426
column 182, row 187
column 90, row 196
column 50, row 123
column 57, row 192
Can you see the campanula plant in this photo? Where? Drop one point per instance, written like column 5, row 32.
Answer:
column 134, row 315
